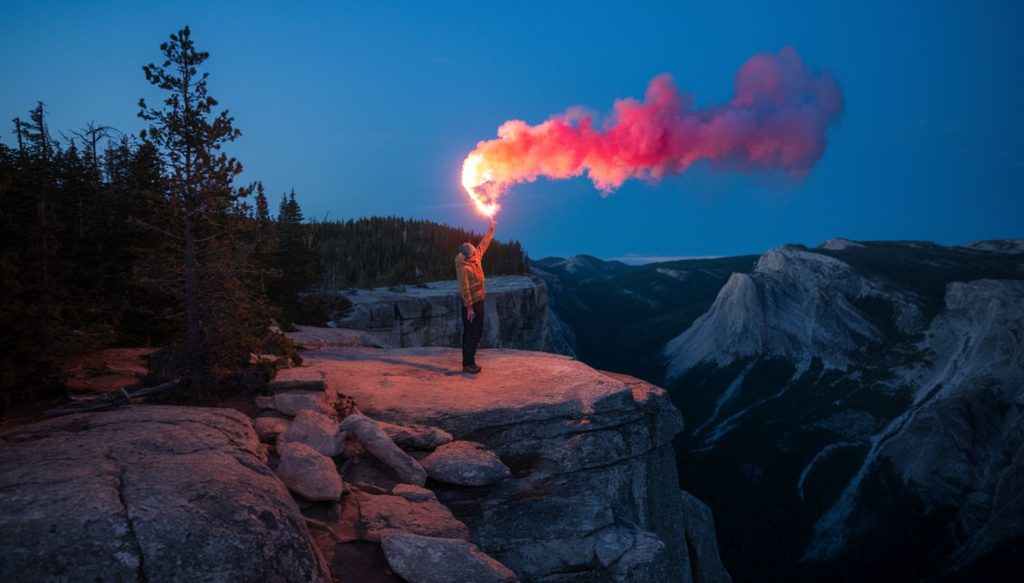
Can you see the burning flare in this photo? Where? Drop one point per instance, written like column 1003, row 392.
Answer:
column 776, row 121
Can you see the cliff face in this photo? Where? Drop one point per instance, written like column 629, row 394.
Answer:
column 591, row 492
column 517, row 316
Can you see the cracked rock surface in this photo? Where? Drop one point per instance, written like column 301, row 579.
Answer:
column 147, row 493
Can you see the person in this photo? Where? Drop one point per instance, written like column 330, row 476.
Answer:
column 470, row 275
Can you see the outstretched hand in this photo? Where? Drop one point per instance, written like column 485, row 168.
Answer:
column 494, row 223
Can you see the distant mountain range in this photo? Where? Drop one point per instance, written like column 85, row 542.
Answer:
column 854, row 411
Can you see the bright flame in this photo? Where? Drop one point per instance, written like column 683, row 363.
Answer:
column 478, row 182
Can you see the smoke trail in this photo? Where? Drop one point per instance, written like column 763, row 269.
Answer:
column 776, row 121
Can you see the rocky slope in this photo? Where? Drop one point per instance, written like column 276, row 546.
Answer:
column 559, row 472
column 400, row 468
column 517, row 314
column 858, row 385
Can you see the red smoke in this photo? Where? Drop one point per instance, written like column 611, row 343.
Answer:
column 776, row 121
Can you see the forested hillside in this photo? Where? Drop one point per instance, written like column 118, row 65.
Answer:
column 379, row 251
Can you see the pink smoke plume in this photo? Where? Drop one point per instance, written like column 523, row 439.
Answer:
column 776, row 121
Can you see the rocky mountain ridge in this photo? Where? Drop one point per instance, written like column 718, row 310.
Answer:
column 857, row 374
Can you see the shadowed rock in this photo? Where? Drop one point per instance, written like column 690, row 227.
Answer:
column 421, row 559
column 317, row 431
column 308, row 472
column 702, row 542
column 466, row 464
column 376, row 441
column 420, row 437
column 371, row 516
column 291, row 403
column 151, row 493
column 269, row 428
column 414, row 493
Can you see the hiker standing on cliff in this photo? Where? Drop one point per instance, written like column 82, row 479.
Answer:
column 470, row 274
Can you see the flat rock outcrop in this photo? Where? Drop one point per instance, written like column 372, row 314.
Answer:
column 592, row 491
column 147, row 493
column 516, row 309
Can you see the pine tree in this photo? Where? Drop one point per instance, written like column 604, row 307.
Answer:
column 222, row 318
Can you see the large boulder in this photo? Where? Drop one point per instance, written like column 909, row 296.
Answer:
column 376, row 441
column 149, row 493
column 466, row 464
column 308, row 472
column 317, row 431
column 423, row 559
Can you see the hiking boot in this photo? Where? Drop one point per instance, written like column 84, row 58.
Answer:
column 471, row 368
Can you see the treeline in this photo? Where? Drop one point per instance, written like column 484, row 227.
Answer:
column 383, row 251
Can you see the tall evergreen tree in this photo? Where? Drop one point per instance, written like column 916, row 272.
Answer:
column 222, row 318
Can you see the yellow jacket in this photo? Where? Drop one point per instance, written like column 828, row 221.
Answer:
column 470, row 273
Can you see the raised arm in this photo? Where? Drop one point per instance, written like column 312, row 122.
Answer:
column 486, row 241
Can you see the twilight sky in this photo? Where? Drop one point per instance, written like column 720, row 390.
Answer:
column 369, row 108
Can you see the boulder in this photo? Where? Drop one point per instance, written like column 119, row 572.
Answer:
column 269, row 428
column 415, row 436
column 157, row 493
column 308, row 472
column 466, row 464
column 374, row 515
column 317, row 431
column 376, row 441
column 413, row 493
column 291, row 403
column 422, row 559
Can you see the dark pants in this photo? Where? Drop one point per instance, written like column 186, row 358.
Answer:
column 472, row 332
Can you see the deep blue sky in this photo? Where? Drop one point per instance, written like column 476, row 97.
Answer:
column 369, row 108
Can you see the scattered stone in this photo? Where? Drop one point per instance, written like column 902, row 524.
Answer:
column 374, row 515
column 415, row 436
column 422, row 559
column 308, row 472
column 264, row 402
column 317, row 431
column 291, row 403
column 413, row 493
column 376, row 441
column 465, row 463
column 268, row 428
